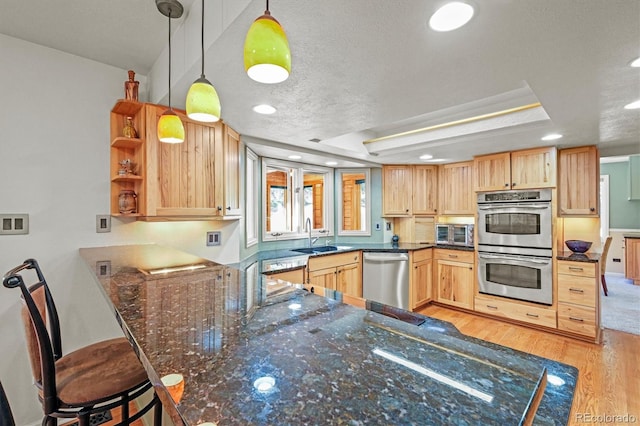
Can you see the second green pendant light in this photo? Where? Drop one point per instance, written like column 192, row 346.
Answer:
column 203, row 103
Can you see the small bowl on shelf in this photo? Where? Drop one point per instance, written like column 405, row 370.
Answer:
column 578, row 246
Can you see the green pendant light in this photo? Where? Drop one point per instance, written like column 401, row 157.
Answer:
column 267, row 58
column 170, row 128
column 203, row 103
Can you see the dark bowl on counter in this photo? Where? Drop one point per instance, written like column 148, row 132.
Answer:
column 578, row 246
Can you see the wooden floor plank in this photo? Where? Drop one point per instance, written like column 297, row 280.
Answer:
column 609, row 374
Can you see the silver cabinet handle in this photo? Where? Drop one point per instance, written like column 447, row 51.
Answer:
column 573, row 268
column 492, row 307
column 576, row 290
column 453, row 256
column 533, row 315
column 576, row 319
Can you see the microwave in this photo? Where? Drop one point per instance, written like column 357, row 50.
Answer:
column 458, row 235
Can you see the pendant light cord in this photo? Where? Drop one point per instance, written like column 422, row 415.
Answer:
column 202, row 41
column 169, row 16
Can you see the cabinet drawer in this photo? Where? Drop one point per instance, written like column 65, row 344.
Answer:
column 582, row 269
column 456, row 255
column 516, row 311
column 420, row 255
column 577, row 290
column 577, row 319
column 333, row 260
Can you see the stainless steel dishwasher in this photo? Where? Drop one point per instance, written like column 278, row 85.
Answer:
column 385, row 278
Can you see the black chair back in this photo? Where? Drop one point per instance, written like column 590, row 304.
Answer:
column 42, row 329
column 6, row 417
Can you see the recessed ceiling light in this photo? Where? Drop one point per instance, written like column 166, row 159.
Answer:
column 264, row 109
column 633, row 105
column 451, row 16
column 636, row 63
column 294, row 157
column 426, row 157
column 551, row 137
column 331, row 163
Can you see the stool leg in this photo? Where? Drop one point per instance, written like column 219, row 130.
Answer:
column 84, row 419
column 604, row 285
column 157, row 412
column 49, row 421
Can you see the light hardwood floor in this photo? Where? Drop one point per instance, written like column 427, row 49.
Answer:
column 609, row 374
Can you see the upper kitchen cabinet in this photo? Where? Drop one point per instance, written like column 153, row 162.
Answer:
column 397, row 190
column 455, row 183
column 197, row 179
column 530, row 168
column 425, row 190
column 409, row 190
column 579, row 182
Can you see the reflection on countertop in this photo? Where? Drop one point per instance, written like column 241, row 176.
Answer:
column 296, row 357
column 589, row 257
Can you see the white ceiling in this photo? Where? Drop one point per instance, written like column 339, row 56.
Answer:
column 362, row 69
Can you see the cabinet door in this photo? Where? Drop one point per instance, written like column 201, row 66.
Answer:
column 492, row 172
column 632, row 259
column 324, row 278
column 425, row 190
column 533, row 168
column 397, row 190
column 231, row 202
column 455, row 283
column 421, row 277
column 349, row 280
column 579, row 183
column 185, row 175
column 455, row 181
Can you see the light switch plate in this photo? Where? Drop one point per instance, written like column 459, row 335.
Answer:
column 214, row 238
column 103, row 223
column 14, row 224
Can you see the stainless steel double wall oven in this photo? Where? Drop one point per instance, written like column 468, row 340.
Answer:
column 515, row 245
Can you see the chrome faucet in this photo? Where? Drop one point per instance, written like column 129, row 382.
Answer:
column 307, row 228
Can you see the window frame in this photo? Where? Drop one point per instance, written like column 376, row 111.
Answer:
column 367, row 183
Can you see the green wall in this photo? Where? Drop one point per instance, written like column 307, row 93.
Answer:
column 623, row 213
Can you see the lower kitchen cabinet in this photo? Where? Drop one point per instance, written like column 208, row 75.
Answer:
column 421, row 278
column 632, row 259
column 578, row 298
column 341, row 272
column 454, row 277
column 295, row 277
column 514, row 310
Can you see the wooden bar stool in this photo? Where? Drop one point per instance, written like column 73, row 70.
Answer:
column 88, row 381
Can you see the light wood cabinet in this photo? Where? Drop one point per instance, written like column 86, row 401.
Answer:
column 421, row 278
column 397, row 187
column 632, row 259
column 518, row 311
column 425, row 190
column 579, row 182
column 524, row 169
column 579, row 298
column 416, row 229
column 455, row 182
column 341, row 272
column 454, row 277
column 196, row 179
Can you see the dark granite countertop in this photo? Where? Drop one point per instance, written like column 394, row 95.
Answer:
column 331, row 363
column 631, row 235
column 281, row 260
column 588, row 257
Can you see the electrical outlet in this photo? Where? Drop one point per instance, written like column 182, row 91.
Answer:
column 214, row 238
column 616, row 259
column 388, row 226
column 377, row 226
column 14, row 224
column 103, row 223
column 103, row 268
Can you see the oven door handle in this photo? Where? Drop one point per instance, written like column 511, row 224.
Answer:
column 512, row 206
column 517, row 258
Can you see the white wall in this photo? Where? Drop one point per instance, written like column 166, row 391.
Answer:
column 54, row 149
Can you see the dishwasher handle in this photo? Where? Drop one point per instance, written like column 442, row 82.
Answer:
column 388, row 257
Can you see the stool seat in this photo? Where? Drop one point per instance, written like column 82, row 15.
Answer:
column 107, row 368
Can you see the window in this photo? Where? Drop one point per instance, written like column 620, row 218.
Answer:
column 251, row 206
column 295, row 194
column 354, row 211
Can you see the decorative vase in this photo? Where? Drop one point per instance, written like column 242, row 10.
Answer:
column 127, row 201
column 131, row 87
column 129, row 131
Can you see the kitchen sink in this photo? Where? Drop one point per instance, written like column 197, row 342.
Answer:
column 319, row 249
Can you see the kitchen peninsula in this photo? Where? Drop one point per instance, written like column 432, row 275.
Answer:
column 323, row 361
